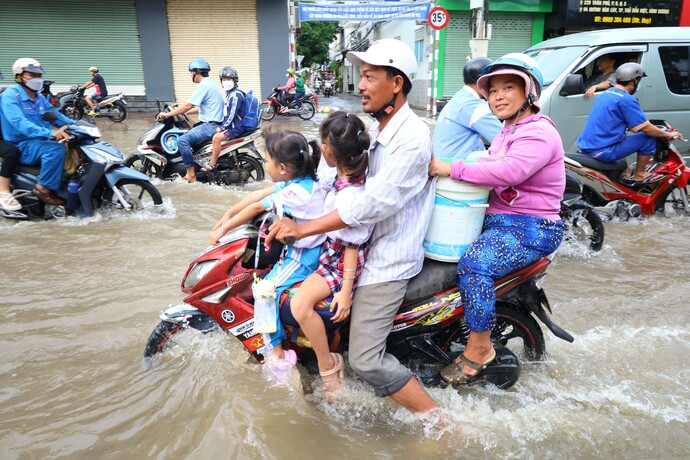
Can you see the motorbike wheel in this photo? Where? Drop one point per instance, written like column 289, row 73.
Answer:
column 75, row 112
column 144, row 166
column 162, row 335
column 308, row 110
column 584, row 224
column 252, row 166
column 119, row 111
column 268, row 112
column 671, row 202
column 513, row 323
column 139, row 194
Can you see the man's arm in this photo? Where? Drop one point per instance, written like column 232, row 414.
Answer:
column 287, row 228
column 650, row 130
column 13, row 112
column 184, row 108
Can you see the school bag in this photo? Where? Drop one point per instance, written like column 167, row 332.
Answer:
column 252, row 112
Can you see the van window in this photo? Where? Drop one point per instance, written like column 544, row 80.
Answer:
column 676, row 63
column 553, row 61
column 590, row 71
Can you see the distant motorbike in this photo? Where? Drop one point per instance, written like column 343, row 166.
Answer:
column 158, row 156
column 328, row 89
column 272, row 106
column 46, row 91
column 100, row 180
column 581, row 220
column 73, row 104
column 613, row 195
column 428, row 332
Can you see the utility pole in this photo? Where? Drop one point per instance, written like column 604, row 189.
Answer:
column 480, row 29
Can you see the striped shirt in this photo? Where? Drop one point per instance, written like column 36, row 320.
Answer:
column 398, row 198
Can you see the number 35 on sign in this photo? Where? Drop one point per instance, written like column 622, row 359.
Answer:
column 438, row 18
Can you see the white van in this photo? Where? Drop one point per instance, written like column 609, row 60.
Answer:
column 569, row 61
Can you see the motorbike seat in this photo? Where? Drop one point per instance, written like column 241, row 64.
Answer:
column 435, row 277
column 31, row 169
column 593, row 163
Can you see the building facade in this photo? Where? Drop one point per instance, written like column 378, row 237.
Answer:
column 143, row 47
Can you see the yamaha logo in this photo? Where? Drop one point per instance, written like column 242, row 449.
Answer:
column 228, row 316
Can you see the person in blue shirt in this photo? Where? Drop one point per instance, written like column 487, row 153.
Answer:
column 209, row 100
column 233, row 111
column 21, row 116
column 616, row 111
column 466, row 123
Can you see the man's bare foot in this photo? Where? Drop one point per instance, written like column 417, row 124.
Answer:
column 189, row 180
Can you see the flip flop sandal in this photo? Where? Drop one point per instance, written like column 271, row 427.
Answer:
column 332, row 385
column 650, row 179
column 208, row 167
column 8, row 202
column 454, row 375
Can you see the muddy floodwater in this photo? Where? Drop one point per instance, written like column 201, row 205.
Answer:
column 80, row 297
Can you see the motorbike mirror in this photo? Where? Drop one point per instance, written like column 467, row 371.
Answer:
column 49, row 116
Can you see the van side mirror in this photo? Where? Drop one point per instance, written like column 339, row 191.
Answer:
column 573, row 85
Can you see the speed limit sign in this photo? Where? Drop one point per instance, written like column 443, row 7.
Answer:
column 438, row 18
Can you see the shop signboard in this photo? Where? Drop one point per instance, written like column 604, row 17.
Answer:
column 609, row 14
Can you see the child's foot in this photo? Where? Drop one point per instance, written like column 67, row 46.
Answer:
column 331, row 378
column 279, row 369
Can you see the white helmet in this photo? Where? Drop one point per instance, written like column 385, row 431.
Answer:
column 93, row 69
column 387, row 52
column 22, row 65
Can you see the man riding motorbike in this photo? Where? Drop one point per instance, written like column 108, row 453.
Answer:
column 21, row 111
column 615, row 111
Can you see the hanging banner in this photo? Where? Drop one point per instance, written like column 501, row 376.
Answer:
column 364, row 12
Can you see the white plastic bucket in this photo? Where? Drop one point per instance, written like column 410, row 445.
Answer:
column 457, row 219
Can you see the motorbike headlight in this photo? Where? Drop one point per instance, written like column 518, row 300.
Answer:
column 199, row 271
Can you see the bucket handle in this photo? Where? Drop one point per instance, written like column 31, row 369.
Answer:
column 465, row 204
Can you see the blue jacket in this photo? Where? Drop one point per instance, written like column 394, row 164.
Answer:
column 233, row 112
column 21, row 118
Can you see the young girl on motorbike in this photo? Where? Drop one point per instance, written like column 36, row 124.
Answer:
column 293, row 169
column 344, row 146
column 522, row 224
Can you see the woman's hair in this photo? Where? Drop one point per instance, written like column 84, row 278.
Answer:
column 292, row 149
column 347, row 136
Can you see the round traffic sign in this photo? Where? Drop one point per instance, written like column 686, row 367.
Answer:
column 438, row 18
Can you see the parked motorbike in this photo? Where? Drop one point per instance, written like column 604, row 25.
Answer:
column 428, row 332
column 73, row 104
column 272, row 106
column 100, row 179
column 46, row 91
column 581, row 221
column 158, row 156
column 613, row 195
column 328, row 89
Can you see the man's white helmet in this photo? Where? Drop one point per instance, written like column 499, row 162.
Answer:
column 22, row 65
column 93, row 69
column 388, row 52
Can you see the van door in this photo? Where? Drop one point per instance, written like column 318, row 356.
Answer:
column 665, row 91
column 570, row 112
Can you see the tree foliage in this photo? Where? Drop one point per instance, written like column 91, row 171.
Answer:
column 313, row 39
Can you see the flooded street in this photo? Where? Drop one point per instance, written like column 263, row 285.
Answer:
column 80, row 297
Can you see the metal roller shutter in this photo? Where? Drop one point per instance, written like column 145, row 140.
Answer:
column 224, row 32
column 69, row 37
column 511, row 33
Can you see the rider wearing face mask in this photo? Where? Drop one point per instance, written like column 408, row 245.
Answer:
column 210, row 107
column 615, row 111
column 231, row 126
column 21, row 114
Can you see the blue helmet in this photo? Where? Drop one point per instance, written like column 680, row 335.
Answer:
column 199, row 65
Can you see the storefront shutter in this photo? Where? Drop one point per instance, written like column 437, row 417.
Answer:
column 224, row 32
column 512, row 32
column 69, row 37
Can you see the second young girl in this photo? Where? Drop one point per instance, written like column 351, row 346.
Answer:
column 293, row 169
column 344, row 146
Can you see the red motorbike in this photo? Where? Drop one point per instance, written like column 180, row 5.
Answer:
column 429, row 330
column 612, row 194
column 273, row 106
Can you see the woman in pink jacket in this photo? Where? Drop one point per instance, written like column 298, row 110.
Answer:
column 525, row 168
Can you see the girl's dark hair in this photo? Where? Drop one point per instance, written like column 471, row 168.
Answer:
column 347, row 136
column 292, row 149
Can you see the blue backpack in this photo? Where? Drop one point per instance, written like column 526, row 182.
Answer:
column 252, row 112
